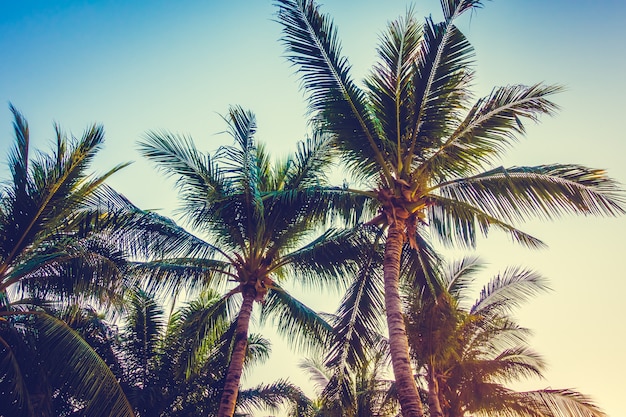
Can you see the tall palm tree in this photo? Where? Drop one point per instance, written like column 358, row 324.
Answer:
column 259, row 217
column 468, row 353
column 420, row 146
column 51, row 250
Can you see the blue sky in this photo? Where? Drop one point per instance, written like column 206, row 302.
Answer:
column 151, row 65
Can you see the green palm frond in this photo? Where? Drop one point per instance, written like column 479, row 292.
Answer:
column 176, row 274
column 357, row 325
column 420, row 268
column 144, row 325
column 272, row 397
column 73, row 364
column 516, row 193
column 311, row 163
column 460, row 275
column 203, row 324
column 48, row 190
column 390, row 84
column 240, row 163
column 456, row 221
column 328, row 260
column 312, row 44
column 489, row 128
column 441, row 79
column 304, row 327
column 563, row 402
column 441, row 83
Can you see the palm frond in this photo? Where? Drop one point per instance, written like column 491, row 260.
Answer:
column 460, row 274
column 517, row 193
column 390, row 83
column 311, row 163
column 440, row 82
column 240, row 163
column 272, row 397
column 564, row 403
column 489, row 128
column 75, row 365
column 357, row 324
column 175, row 274
column 328, row 260
column 304, row 327
column 508, row 290
column 311, row 41
column 456, row 221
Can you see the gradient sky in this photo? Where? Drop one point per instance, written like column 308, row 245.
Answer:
column 149, row 65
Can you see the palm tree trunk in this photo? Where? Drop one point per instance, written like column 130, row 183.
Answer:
column 434, row 405
column 408, row 395
column 231, row 386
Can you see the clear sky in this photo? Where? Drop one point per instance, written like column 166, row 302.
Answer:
column 150, row 65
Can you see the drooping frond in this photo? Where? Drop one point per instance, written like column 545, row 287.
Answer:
column 456, row 221
column 75, row 365
column 316, row 371
column 176, row 274
column 272, row 397
column 517, row 193
column 357, row 326
column 304, row 327
column 327, row 260
column 563, row 403
column 459, row 276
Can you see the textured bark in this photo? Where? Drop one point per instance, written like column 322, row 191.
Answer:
column 235, row 368
column 434, row 405
column 408, row 395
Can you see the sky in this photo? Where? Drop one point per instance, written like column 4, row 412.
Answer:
column 177, row 66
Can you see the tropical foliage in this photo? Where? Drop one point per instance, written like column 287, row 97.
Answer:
column 468, row 354
column 176, row 367
column 260, row 218
column 53, row 246
column 423, row 149
column 365, row 391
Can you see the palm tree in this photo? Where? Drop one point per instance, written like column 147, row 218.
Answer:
column 178, row 368
column 361, row 393
column 52, row 250
column 414, row 139
column 468, row 353
column 260, row 218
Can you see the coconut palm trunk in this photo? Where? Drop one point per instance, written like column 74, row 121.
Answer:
column 235, row 368
column 398, row 342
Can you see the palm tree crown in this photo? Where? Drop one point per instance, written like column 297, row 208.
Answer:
column 53, row 247
column 423, row 149
column 259, row 217
column 467, row 353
